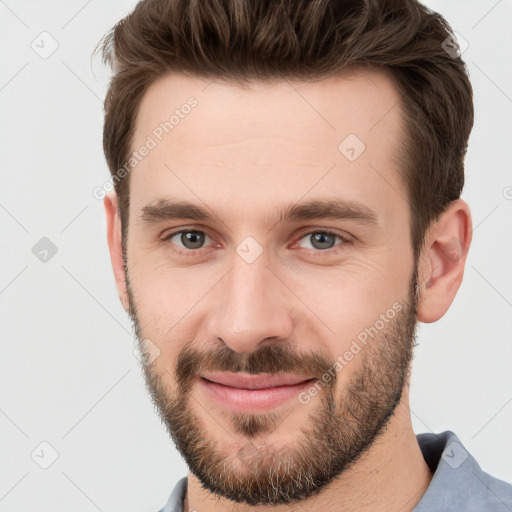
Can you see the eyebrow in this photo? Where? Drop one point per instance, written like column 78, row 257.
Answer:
column 317, row 209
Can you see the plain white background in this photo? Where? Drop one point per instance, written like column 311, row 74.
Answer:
column 68, row 373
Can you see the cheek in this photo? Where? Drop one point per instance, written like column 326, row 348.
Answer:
column 351, row 297
column 358, row 307
column 169, row 300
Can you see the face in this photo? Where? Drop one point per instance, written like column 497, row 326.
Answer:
column 271, row 276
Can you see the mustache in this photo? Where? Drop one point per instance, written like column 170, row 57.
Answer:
column 271, row 359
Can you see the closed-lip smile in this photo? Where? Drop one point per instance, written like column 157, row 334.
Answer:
column 252, row 393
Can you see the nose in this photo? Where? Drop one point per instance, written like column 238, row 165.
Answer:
column 252, row 307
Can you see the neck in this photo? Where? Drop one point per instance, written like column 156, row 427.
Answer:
column 391, row 475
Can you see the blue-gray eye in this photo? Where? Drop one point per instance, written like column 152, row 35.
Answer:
column 189, row 238
column 322, row 240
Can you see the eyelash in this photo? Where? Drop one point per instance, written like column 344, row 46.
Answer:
column 315, row 252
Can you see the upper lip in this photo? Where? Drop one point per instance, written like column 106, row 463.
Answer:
column 237, row 380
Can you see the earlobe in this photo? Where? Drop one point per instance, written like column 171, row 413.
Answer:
column 115, row 246
column 441, row 265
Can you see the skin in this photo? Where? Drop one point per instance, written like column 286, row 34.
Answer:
column 246, row 153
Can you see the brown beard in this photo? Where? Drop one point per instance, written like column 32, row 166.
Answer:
column 333, row 438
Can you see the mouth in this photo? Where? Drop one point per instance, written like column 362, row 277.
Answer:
column 246, row 393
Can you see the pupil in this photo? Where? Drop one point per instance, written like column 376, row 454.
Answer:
column 320, row 238
column 192, row 239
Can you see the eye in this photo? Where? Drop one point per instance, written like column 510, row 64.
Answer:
column 322, row 240
column 187, row 241
column 190, row 240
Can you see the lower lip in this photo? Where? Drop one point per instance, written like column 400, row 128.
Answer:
column 246, row 400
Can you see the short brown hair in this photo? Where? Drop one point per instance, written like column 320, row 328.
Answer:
column 244, row 40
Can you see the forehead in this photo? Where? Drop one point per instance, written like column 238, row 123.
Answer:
column 215, row 139
column 354, row 100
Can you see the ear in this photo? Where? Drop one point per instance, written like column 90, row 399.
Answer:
column 442, row 261
column 115, row 247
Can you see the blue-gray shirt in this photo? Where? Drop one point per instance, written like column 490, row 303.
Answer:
column 458, row 485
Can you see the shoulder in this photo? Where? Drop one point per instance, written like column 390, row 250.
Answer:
column 175, row 501
column 459, row 484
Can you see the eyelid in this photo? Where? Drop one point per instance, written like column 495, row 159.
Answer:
column 184, row 251
column 345, row 239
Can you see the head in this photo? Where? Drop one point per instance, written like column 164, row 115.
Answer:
column 287, row 201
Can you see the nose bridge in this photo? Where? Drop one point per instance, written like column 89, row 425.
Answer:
column 251, row 305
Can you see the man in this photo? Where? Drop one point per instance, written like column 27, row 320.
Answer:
column 286, row 209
